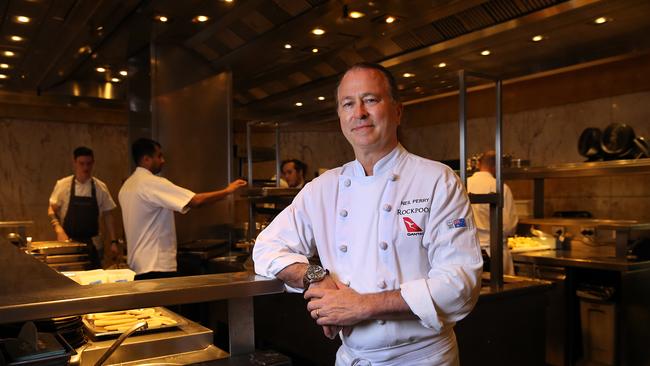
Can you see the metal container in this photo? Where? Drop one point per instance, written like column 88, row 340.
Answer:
column 57, row 247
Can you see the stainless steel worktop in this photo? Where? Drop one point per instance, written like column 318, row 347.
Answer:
column 31, row 290
column 596, row 258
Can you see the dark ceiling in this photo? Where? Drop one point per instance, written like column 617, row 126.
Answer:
column 66, row 40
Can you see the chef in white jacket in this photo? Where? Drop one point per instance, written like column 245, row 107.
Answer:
column 483, row 182
column 401, row 262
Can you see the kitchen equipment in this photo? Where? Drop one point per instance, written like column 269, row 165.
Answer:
column 642, row 149
column 96, row 331
column 519, row 163
column 68, row 327
column 57, row 247
column 589, row 144
column 617, row 140
column 61, row 255
column 34, row 348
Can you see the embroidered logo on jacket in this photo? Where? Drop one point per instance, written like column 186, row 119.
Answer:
column 457, row 223
column 411, row 227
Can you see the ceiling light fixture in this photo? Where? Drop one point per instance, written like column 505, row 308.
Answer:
column 9, row 53
column 485, row 52
column 201, row 18
column 100, row 69
column 442, row 64
column 408, row 75
column 356, row 14
column 298, row 104
column 390, row 19
column 287, row 46
column 228, row 1
column 601, row 20
column 3, row 76
column 321, row 98
column 314, row 50
column 22, row 19
column 318, row 31
column 4, row 66
column 161, row 18
column 124, row 72
column 17, row 38
column 537, row 38
column 115, row 80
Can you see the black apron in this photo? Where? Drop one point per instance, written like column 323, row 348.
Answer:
column 81, row 222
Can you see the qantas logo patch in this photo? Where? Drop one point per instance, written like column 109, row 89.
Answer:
column 411, row 227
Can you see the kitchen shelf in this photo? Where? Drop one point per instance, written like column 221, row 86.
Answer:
column 596, row 223
column 572, row 170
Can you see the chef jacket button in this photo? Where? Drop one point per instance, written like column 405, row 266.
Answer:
column 343, row 248
column 343, row 213
column 347, row 283
column 387, row 207
column 393, row 177
column 383, row 245
column 381, row 321
column 381, row 284
column 347, row 182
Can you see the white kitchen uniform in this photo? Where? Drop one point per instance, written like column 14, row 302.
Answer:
column 60, row 197
column 482, row 183
column 148, row 204
column 409, row 226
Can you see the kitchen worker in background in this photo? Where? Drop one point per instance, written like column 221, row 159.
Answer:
column 483, row 182
column 400, row 258
column 148, row 203
column 77, row 202
column 293, row 172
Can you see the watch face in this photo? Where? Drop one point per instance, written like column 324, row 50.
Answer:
column 315, row 273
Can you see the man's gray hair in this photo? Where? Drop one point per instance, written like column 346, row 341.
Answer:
column 392, row 84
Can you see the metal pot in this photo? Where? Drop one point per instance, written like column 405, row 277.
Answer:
column 589, row 144
column 617, row 140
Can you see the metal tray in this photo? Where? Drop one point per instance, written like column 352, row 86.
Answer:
column 98, row 332
column 57, row 247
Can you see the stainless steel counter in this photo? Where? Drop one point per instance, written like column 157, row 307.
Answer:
column 596, row 258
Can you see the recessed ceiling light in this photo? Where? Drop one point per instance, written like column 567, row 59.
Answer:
column 321, row 98
column 3, row 76
column 85, row 49
column 356, row 14
column 287, row 46
column 99, row 28
column 100, row 69
column 161, row 18
column 201, row 18
column 318, row 31
column 408, row 75
column 22, row 19
column 314, row 50
column 537, row 38
column 228, row 1
column 115, row 80
column 485, row 52
column 298, row 104
column 4, row 66
column 124, row 72
column 601, row 20
column 442, row 64
column 17, row 38
column 9, row 53
column 390, row 19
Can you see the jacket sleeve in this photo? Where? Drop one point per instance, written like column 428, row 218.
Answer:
column 453, row 282
column 510, row 218
column 287, row 240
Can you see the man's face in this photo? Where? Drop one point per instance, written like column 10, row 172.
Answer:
column 157, row 161
column 83, row 167
column 368, row 115
column 291, row 175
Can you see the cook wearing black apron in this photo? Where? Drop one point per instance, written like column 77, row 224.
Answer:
column 81, row 222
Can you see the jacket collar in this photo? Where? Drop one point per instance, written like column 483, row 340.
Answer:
column 385, row 164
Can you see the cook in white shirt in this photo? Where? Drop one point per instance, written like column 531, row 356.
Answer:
column 394, row 230
column 86, row 201
column 483, row 182
column 148, row 204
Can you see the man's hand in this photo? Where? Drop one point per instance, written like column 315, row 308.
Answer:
column 341, row 307
column 60, row 234
column 328, row 282
column 235, row 185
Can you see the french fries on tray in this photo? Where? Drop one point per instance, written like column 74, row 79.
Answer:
column 121, row 321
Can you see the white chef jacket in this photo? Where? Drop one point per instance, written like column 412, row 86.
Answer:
column 148, row 204
column 408, row 227
column 482, row 183
column 60, row 196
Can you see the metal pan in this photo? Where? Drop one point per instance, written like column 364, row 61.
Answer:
column 99, row 332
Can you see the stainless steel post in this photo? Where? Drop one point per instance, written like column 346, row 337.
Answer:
column 241, row 326
column 462, row 125
column 496, row 208
column 277, row 155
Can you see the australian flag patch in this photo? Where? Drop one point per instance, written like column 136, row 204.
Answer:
column 456, row 223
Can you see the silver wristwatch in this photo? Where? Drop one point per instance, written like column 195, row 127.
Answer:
column 315, row 273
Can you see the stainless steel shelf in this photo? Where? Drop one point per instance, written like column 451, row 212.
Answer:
column 596, row 223
column 262, row 192
column 571, row 170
